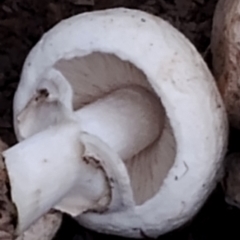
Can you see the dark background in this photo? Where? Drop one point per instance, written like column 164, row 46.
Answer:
column 22, row 22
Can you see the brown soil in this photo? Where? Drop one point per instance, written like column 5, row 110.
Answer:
column 22, row 22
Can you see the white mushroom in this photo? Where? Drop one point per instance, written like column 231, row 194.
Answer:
column 120, row 125
column 226, row 55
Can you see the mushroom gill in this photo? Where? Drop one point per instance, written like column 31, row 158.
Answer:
column 98, row 74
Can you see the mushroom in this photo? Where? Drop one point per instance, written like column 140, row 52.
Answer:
column 120, row 124
column 226, row 51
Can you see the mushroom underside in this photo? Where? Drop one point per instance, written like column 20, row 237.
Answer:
column 97, row 75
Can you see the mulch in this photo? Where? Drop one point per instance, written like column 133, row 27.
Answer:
column 22, row 23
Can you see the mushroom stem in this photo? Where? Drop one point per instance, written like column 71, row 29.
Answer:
column 44, row 168
column 128, row 120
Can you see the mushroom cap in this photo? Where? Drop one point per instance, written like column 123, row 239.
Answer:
column 225, row 51
column 178, row 75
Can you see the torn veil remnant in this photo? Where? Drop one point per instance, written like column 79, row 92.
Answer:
column 112, row 126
